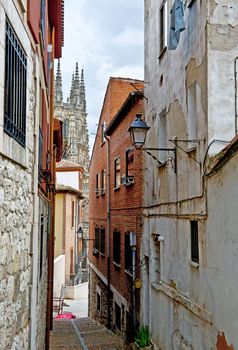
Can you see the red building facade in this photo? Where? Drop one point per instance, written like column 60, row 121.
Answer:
column 45, row 19
column 115, row 210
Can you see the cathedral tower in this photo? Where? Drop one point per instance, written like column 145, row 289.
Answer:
column 73, row 114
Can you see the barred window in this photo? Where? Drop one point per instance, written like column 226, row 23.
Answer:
column 15, row 87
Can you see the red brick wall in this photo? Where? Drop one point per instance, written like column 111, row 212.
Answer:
column 127, row 200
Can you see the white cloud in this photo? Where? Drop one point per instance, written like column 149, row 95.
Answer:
column 106, row 38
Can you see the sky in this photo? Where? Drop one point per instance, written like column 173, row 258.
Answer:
column 106, row 38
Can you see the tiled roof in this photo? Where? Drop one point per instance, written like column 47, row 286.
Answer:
column 64, row 163
column 66, row 188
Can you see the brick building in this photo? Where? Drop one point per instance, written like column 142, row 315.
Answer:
column 115, row 209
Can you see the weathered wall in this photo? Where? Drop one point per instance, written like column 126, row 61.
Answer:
column 59, row 224
column 178, row 298
column 222, row 44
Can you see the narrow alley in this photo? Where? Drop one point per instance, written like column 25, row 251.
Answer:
column 83, row 333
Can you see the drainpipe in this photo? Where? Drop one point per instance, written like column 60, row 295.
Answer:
column 235, row 78
column 35, row 228
column 133, row 248
column 49, row 313
column 108, row 235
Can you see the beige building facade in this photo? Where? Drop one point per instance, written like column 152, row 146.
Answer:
column 191, row 111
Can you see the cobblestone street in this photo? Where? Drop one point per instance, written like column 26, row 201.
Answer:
column 83, row 334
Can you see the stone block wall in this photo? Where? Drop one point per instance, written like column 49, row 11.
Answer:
column 97, row 285
column 16, row 213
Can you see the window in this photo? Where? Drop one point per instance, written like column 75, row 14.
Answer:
column 15, row 87
column 96, row 242
column 117, row 316
column 102, row 240
column 98, row 302
column 116, row 246
column 72, row 214
column 162, row 136
column 42, row 21
column 192, row 116
column 163, row 26
column 128, row 253
column 117, row 173
column 97, row 185
column 103, row 181
column 194, row 242
column 103, row 129
column 129, row 162
column 71, row 261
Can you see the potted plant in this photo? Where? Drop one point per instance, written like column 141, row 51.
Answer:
column 143, row 338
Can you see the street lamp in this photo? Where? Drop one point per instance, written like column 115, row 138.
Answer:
column 80, row 232
column 138, row 131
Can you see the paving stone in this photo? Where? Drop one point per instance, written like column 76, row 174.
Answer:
column 89, row 336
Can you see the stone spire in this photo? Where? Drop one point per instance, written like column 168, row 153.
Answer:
column 76, row 87
column 72, row 89
column 82, row 93
column 58, row 86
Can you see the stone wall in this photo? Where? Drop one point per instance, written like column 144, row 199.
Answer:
column 96, row 284
column 16, row 213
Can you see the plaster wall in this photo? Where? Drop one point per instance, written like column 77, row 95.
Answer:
column 222, row 44
column 59, row 276
column 70, row 232
column 68, row 178
column 59, row 223
column 179, row 301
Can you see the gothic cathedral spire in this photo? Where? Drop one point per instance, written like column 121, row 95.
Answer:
column 76, row 87
column 72, row 89
column 82, row 93
column 58, row 86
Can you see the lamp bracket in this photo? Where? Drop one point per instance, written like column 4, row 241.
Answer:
column 147, row 150
column 176, row 145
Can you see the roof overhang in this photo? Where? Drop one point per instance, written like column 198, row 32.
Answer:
column 56, row 18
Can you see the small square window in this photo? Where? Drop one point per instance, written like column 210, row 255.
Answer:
column 194, row 242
